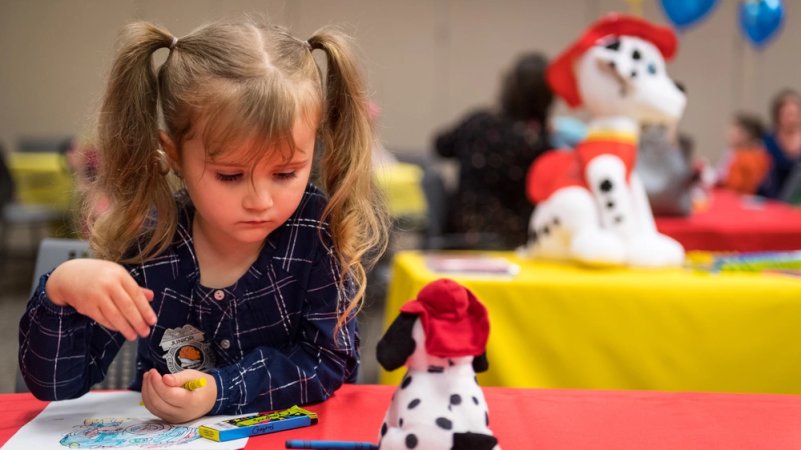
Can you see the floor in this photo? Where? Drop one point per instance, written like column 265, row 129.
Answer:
column 16, row 274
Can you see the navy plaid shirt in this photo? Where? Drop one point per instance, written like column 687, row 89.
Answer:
column 268, row 339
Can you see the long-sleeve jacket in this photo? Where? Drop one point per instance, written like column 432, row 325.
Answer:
column 268, row 339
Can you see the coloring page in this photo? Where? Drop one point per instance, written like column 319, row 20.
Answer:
column 111, row 420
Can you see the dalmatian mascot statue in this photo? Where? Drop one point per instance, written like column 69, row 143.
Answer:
column 591, row 206
column 441, row 337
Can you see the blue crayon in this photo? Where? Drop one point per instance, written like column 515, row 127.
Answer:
column 330, row 445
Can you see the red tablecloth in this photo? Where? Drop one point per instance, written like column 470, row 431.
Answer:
column 736, row 223
column 525, row 419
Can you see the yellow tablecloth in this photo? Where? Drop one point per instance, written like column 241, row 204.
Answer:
column 562, row 326
column 41, row 178
column 402, row 186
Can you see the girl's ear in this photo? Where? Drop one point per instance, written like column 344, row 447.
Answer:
column 171, row 150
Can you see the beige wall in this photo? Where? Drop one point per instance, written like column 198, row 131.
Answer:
column 428, row 62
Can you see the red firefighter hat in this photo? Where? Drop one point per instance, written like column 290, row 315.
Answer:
column 454, row 321
column 560, row 74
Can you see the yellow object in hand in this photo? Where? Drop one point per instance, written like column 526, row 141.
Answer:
column 195, row 384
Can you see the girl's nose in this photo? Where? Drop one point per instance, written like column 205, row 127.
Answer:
column 259, row 196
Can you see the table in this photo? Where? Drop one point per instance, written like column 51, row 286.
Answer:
column 551, row 419
column 732, row 222
column 558, row 325
column 42, row 179
column 401, row 184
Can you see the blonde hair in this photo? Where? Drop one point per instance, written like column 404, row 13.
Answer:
column 249, row 80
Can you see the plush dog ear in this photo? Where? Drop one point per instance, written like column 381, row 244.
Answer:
column 397, row 344
column 481, row 363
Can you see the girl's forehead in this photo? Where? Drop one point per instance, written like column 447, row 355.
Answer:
column 225, row 135
column 248, row 146
column 258, row 153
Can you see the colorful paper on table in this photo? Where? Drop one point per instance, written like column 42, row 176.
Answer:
column 116, row 420
column 471, row 264
column 788, row 262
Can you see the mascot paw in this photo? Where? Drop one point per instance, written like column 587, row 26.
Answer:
column 655, row 250
column 598, row 248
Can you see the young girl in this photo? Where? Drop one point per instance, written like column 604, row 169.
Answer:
column 251, row 276
column 745, row 162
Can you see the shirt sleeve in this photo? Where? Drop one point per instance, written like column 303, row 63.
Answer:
column 308, row 370
column 62, row 353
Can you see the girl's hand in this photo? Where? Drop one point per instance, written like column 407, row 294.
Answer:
column 165, row 396
column 105, row 292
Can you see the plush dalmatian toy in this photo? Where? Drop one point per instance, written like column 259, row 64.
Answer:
column 591, row 206
column 441, row 337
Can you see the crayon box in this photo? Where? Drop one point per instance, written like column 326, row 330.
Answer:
column 258, row 423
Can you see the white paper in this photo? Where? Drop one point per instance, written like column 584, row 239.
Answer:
column 111, row 420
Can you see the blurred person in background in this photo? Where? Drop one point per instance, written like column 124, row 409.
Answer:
column 494, row 149
column 746, row 161
column 783, row 142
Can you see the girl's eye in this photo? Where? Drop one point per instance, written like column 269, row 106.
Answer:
column 285, row 175
column 228, row 177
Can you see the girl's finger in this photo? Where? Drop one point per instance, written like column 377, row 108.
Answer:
column 129, row 310
column 166, row 393
column 140, row 299
column 109, row 310
column 101, row 319
column 153, row 402
column 149, row 294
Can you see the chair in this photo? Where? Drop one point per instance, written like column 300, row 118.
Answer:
column 44, row 144
column 52, row 252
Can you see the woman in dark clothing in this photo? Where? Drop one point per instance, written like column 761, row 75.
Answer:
column 494, row 150
column 783, row 143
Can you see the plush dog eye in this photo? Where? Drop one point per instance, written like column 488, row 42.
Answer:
column 652, row 69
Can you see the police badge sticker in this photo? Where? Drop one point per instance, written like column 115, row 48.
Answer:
column 186, row 349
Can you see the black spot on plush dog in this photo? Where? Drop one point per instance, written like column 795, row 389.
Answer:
column 441, row 337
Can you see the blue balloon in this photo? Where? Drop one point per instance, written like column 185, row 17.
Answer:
column 761, row 20
column 683, row 13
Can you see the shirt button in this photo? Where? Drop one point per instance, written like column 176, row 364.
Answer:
column 225, row 344
column 219, row 295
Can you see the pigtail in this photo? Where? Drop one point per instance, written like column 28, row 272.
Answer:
column 356, row 212
column 132, row 170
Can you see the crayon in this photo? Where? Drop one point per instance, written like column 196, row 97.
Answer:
column 330, row 445
column 195, row 384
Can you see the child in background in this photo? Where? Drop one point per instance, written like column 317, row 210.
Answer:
column 746, row 162
column 250, row 276
column 783, row 144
